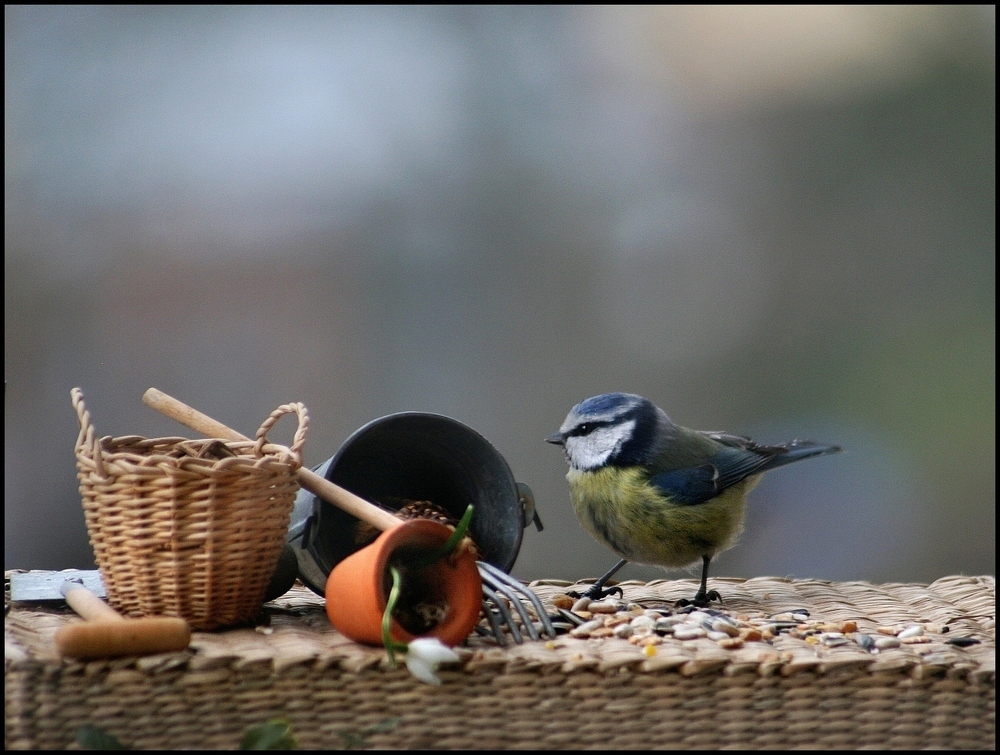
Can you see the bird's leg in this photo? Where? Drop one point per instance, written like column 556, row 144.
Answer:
column 597, row 592
column 704, row 596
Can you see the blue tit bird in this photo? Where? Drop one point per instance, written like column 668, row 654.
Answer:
column 657, row 493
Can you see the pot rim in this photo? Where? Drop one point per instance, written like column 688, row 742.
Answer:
column 414, row 532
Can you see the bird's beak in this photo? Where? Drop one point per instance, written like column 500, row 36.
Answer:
column 556, row 438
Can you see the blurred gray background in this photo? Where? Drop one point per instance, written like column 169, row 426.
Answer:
column 776, row 221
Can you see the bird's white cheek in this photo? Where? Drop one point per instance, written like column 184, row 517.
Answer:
column 583, row 454
column 596, row 448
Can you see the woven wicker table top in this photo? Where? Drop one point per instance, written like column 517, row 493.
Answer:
column 298, row 632
column 568, row 692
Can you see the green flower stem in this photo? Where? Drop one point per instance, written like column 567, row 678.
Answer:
column 391, row 645
column 451, row 543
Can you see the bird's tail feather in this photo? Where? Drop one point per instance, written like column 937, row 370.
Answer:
column 796, row 451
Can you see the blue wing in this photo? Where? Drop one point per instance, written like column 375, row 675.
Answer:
column 736, row 459
column 698, row 484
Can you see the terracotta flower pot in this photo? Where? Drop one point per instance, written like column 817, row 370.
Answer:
column 441, row 600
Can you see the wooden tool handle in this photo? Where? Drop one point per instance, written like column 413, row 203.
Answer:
column 88, row 605
column 354, row 505
column 110, row 638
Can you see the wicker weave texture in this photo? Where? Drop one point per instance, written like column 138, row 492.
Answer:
column 567, row 693
column 187, row 528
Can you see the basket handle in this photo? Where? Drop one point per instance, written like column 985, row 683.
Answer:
column 87, row 440
column 295, row 452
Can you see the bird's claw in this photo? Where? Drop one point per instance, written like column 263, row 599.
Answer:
column 700, row 600
column 597, row 593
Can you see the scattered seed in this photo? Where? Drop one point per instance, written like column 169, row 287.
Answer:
column 605, row 606
column 883, row 643
column 783, row 625
column 624, row 631
column 584, row 630
column 866, row 641
column 645, row 639
column 888, row 630
column 962, row 642
column 646, row 622
column 562, row 601
column 785, row 616
column 616, row 619
column 731, row 643
column 668, row 622
column 912, row 631
column 915, row 639
column 688, row 632
column 725, row 626
column 581, row 605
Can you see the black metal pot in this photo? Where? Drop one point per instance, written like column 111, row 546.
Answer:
column 416, row 456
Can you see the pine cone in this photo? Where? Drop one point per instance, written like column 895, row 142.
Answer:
column 364, row 533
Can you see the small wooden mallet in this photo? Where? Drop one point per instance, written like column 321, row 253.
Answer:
column 107, row 634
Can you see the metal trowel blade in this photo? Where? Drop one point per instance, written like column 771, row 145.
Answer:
column 44, row 585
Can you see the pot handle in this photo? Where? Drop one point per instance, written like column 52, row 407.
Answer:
column 527, row 500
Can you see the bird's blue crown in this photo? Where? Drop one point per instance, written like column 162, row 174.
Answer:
column 609, row 409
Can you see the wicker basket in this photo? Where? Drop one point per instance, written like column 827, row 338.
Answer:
column 188, row 528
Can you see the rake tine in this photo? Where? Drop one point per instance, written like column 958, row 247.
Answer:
column 488, row 571
column 508, row 619
column 512, row 596
column 491, row 617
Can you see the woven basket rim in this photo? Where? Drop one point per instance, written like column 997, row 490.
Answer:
column 275, row 459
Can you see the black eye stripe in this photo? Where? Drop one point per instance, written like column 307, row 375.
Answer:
column 588, row 427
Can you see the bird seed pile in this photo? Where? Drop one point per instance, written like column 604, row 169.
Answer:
column 648, row 627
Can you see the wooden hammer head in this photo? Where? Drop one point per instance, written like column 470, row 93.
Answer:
column 88, row 640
